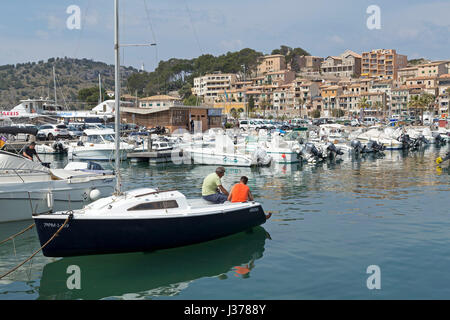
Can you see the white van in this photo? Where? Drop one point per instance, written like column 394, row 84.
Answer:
column 369, row 121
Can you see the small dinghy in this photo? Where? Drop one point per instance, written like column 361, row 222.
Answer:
column 143, row 220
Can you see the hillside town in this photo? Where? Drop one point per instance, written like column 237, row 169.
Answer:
column 380, row 82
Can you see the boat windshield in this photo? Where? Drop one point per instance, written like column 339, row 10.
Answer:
column 109, row 138
column 96, row 139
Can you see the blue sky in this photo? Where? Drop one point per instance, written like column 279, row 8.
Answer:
column 32, row 30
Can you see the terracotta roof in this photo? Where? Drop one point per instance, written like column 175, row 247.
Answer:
column 160, row 98
column 423, row 78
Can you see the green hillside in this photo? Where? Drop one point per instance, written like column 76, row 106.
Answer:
column 35, row 80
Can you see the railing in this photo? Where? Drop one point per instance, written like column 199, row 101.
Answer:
column 17, row 172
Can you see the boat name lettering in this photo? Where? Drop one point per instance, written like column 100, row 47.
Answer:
column 254, row 210
column 54, row 225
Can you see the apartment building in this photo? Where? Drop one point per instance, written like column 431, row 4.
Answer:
column 429, row 84
column 309, row 64
column 330, row 99
column 283, row 100
column 382, row 63
column 443, row 98
column 210, row 85
column 271, row 63
column 347, row 65
column 404, row 74
column 159, row 101
column 433, row 69
column 306, row 90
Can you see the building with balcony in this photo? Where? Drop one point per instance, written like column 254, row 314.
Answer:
column 309, row 64
column 159, row 101
column 347, row 65
column 382, row 63
column 210, row 85
column 271, row 63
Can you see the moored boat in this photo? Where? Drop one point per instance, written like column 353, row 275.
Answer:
column 143, row 220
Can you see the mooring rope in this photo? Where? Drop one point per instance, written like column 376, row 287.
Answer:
column 40, row 249
column 17, row 234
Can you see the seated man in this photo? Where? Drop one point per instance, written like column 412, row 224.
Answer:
column 241, row 192
column 212, row 185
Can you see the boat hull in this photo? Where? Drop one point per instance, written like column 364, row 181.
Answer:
column 212, row 158
column 141, row 235
column 96, row 154
column 15, row 202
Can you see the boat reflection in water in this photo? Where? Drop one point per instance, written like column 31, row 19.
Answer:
column 147, row 275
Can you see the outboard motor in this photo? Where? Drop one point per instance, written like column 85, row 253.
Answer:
column 311, row 154
column 262, row 158
column 332, row 151
column 406, row 141
column 373, row 146
column 357, row 146
column 438, row 139
column 58, row 147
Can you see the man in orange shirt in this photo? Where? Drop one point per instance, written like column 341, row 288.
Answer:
column 241, row 192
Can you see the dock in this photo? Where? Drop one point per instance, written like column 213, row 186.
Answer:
column 153, row 157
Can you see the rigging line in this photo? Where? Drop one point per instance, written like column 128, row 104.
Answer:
column 62, row 93
column 83, row 22
column 152, row 31
column 193, row 27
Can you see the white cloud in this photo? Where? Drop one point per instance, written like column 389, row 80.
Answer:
column 231, row 44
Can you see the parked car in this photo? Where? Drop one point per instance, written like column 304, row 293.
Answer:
column 369, row 121
column 53, row 131
column 75, row 130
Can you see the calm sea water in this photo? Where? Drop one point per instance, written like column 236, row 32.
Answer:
column 330, row 222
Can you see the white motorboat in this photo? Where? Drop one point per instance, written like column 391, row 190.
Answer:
column 224, row 153
column 280, row 150
column 58, row 147
column 27, row 187
column 381, row 137
column 99, row 145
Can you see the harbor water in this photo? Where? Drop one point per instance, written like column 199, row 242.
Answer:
column 330, row 223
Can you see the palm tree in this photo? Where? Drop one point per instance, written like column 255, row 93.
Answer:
column 428, row 101
column 415, row 103
column 378, row 106
column 300, row 105
column 263, row 106
column 363, row 104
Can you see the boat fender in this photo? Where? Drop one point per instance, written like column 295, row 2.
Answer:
column 94, row 194
column 50, row 200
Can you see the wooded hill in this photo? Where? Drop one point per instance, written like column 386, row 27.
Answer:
column 178, row 74
column 35, row 79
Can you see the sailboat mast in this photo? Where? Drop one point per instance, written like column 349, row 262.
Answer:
column 100, row 97
column 54, row 85
column 117, row 93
